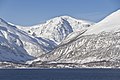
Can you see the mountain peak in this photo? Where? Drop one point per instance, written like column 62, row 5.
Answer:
column 70, row 19
column 65, row 17
column 3, row 22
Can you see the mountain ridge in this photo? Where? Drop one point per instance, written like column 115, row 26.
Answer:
column 65, row 42
column 21, row 43
column 87, row 49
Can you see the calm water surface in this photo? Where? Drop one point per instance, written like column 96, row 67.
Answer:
column 59, row 74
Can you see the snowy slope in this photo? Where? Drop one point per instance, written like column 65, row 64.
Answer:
column 58, row 28
column 18, row 46
column 72, row 43
column 110, row 23
column 11, row 47
column 99, row 46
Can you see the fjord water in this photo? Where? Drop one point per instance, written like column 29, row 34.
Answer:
column 60, row 74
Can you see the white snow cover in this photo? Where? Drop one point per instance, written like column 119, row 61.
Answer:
column 110, row 23
column 70, row 41
column 11, row 46
column 98, row 46
column 17, row 45
column 58, row 28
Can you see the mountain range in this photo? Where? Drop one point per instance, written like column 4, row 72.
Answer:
column 62, row 42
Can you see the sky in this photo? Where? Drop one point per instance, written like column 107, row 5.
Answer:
column 31, row 12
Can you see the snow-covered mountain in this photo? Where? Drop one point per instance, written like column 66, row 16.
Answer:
column 58, row 28
column 20, row 44
column 69, row 43
column 11, row 46
column 99, row 46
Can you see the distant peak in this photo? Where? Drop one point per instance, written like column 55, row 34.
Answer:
column 65, row 16
column 61, row 18
column 3, row 21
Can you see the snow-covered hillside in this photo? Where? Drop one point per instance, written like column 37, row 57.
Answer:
column 99, row 46
column 19, row 44
column 110, row 23
column 69, row 43
column 58, row 28
column 11, row 46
